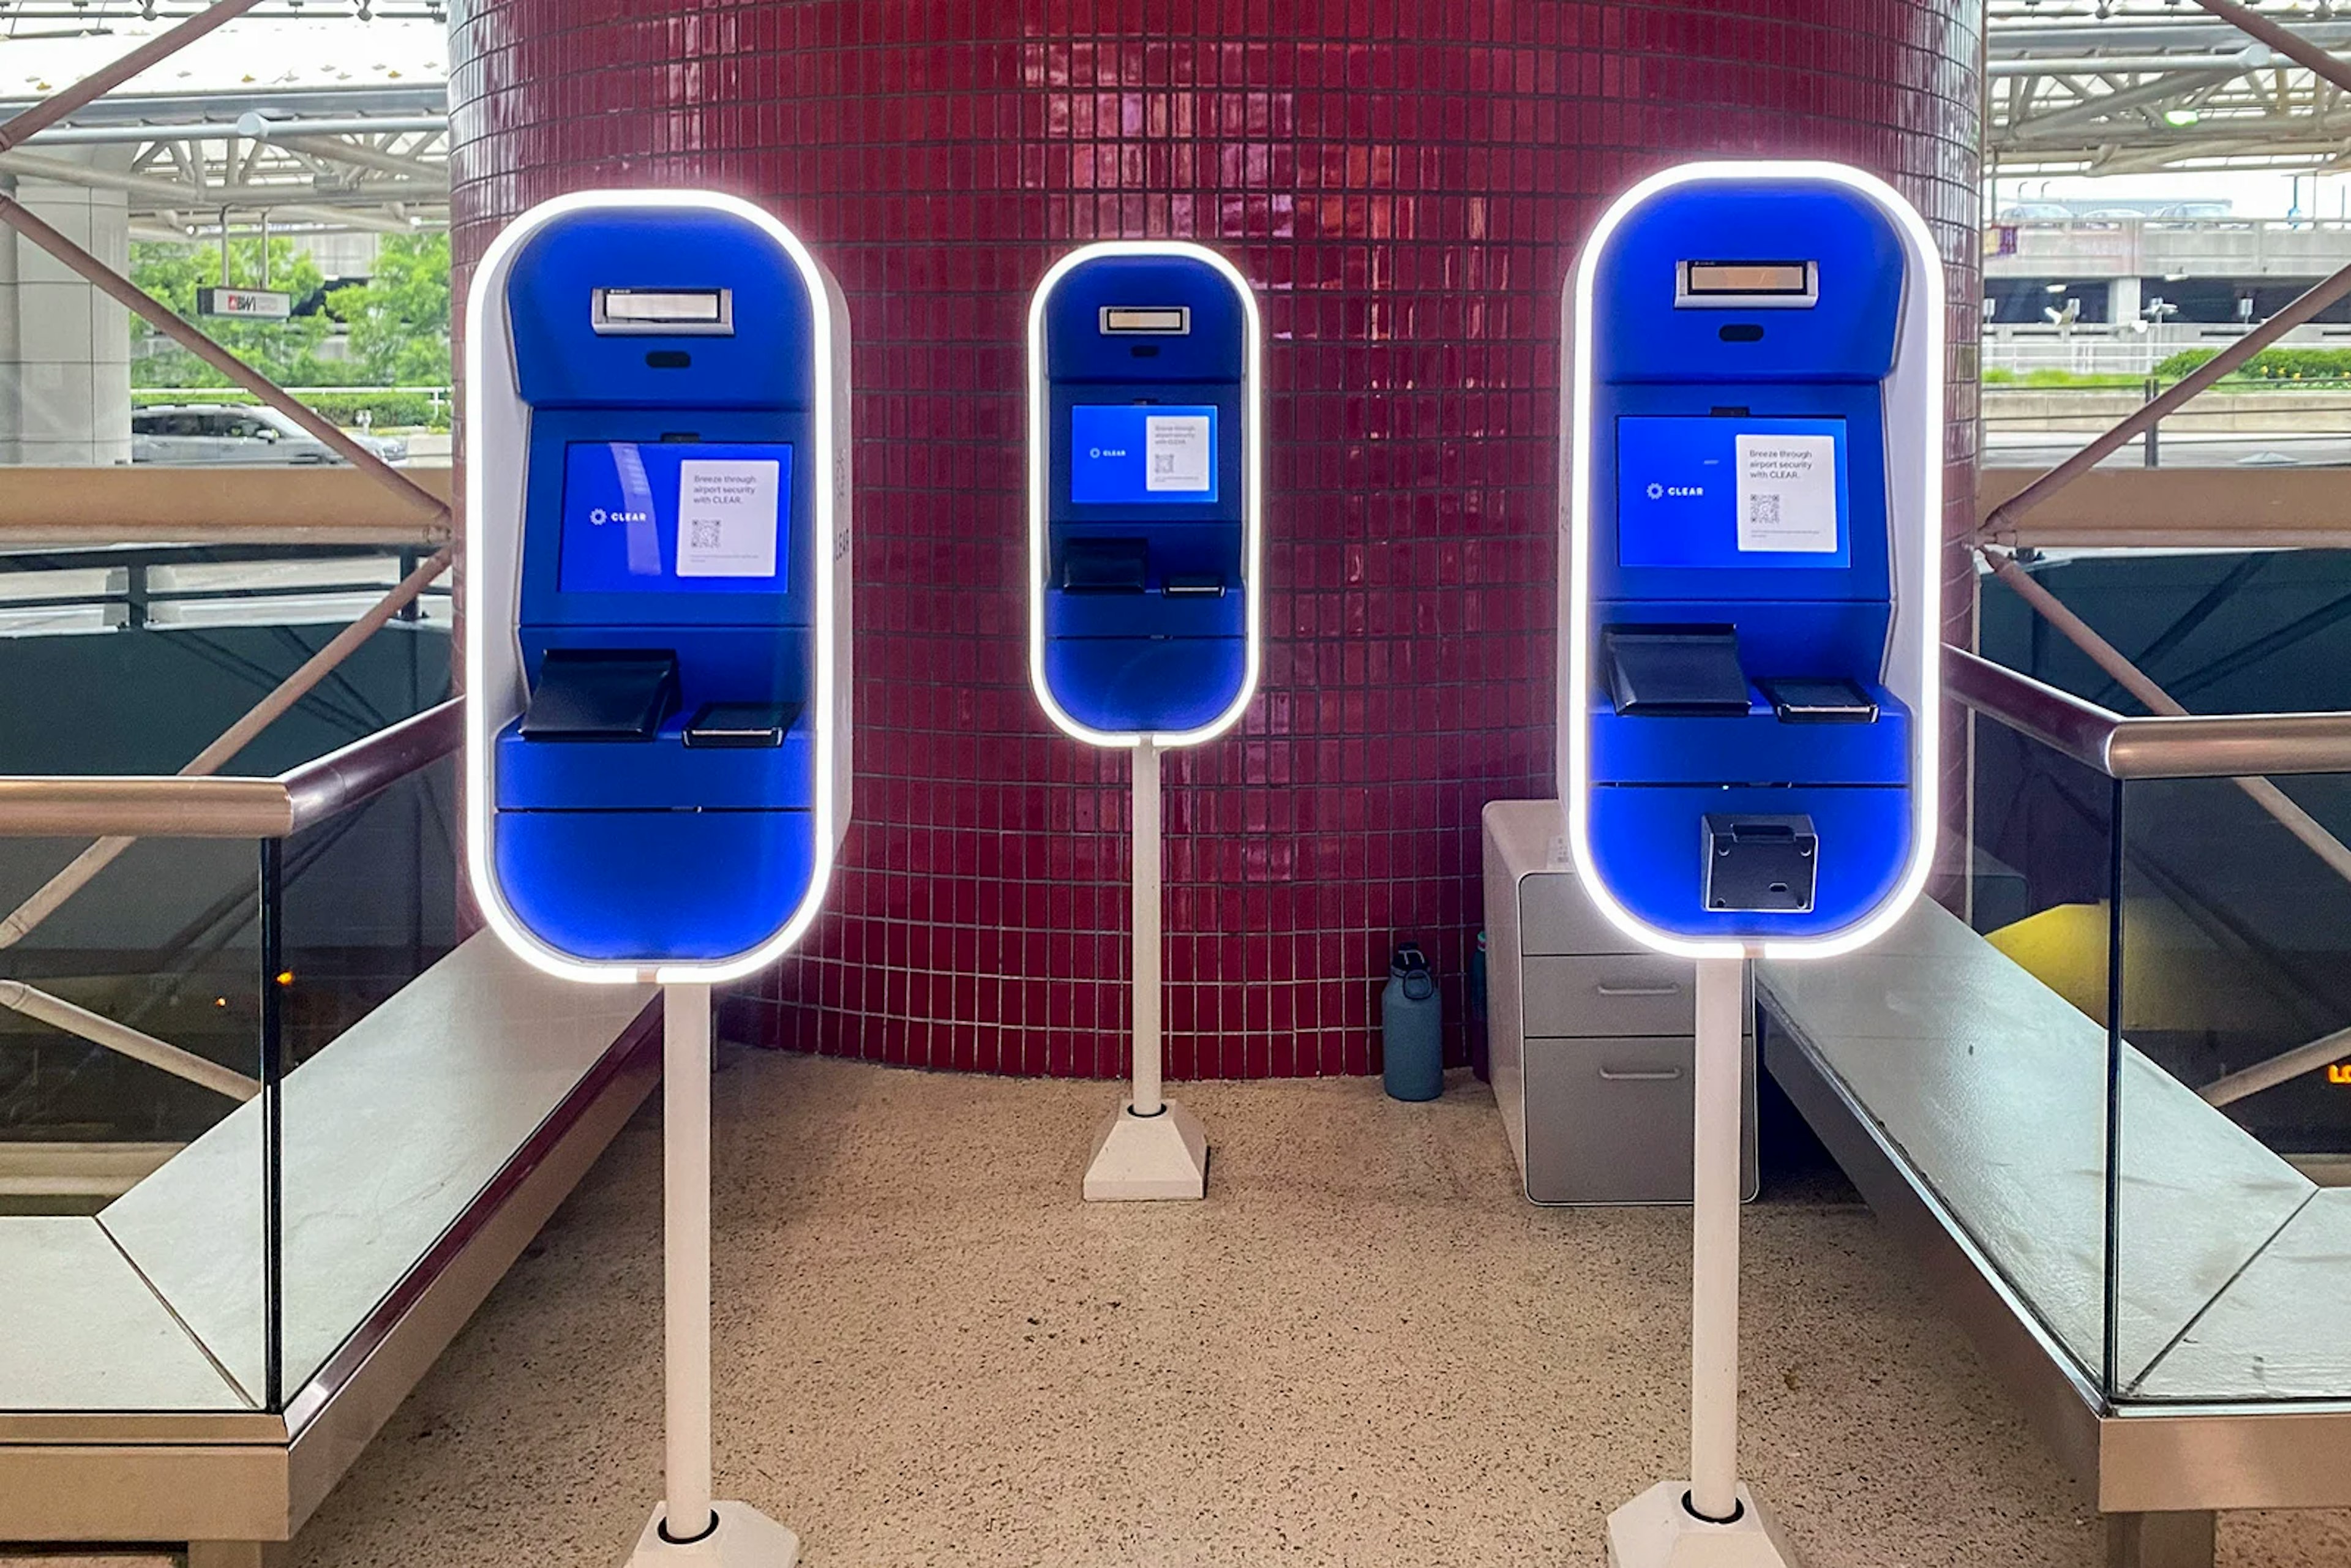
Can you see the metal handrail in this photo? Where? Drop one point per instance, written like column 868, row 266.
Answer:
column 335, row 783
column 219, row 807
column 2216, row 745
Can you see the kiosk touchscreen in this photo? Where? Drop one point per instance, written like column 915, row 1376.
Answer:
column 1144, row 452
column 1751, row 517
column 657, row 671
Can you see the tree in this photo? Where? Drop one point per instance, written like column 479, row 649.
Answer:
column 171, row 272
column 399, row 318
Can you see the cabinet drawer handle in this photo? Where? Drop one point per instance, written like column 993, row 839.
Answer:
column 1651, row 1075
column 1606, row 989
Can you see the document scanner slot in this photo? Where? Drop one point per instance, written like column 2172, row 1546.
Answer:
column 1194, row 585
column 1836, row 701
column 1104, row 566
column 742, row 726
column 1675, row 671
column 598, row 693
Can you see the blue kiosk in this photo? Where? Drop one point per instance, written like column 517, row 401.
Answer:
column 657, row 661
column 1748, row 647
column 1146, row 529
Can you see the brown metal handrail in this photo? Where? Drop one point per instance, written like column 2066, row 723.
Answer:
column 219, row 807
column 2198, row 746
column 331, row 785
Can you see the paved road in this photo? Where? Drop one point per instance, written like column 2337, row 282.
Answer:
column 2045, row 448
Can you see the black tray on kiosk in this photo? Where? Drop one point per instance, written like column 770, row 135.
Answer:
column 1675, row 671
column 602, row 693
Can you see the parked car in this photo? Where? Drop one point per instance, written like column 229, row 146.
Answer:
column 202, row 434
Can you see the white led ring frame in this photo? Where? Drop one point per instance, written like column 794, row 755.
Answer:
column 498, row 439
column 1252, row 490
column 1915, row 497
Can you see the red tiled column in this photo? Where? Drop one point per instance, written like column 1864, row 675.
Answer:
column 1406, row 182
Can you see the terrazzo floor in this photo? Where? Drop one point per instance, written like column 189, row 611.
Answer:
column 1364, row 1348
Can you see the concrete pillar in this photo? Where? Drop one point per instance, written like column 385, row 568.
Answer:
column 65, row 348
column 2122, row 301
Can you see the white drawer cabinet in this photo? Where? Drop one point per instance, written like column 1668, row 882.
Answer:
column 1588, row 1036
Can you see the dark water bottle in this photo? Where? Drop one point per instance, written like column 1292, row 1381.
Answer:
column 1411, row 1041
column 1479, row 1046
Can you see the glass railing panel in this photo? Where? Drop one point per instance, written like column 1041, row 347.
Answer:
column 131, row 1208
column 2236, row 1002
column 1979, row 1054
column 381, row 1100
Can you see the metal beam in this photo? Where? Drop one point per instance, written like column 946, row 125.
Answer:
column 2284, row 40
column 313, row 504
column 2090, row 111
column 267, row 129
column 2250, row 57
column 2283, row 1068
column 2135, row 508
column 343, row 100
column 121, row 1039
column 2010, row 37
column 323, row 145
column 290, row 202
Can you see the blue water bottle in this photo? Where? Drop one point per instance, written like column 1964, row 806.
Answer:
column 1479, row 1044
column 1411, row 1041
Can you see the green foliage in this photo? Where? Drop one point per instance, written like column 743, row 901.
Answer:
column 2270, row 366
column 399, row 318
column 2002, row 376
column 285, row 351
column 397, row 321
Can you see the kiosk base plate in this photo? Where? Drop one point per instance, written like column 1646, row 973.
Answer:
column 1143, row 1157
column 1654, row 1531
column 745, row 1538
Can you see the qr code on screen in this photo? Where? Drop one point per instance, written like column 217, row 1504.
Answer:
column 1763, row 510
column 1163, row 463
column 704, row 535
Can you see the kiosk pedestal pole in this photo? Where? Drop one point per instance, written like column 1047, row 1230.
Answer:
column 704, row 1534
column 1153, row 1148
column 1709, row 1521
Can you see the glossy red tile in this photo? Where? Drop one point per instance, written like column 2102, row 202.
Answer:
column 1407, row 184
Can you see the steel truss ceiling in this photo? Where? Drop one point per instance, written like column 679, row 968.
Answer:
column 2133, row 86
column 2081, row 86
column 361, row 158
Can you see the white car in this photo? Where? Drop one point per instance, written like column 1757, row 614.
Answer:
column 199, row 434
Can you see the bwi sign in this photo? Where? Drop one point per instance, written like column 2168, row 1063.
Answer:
column 252, row 304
